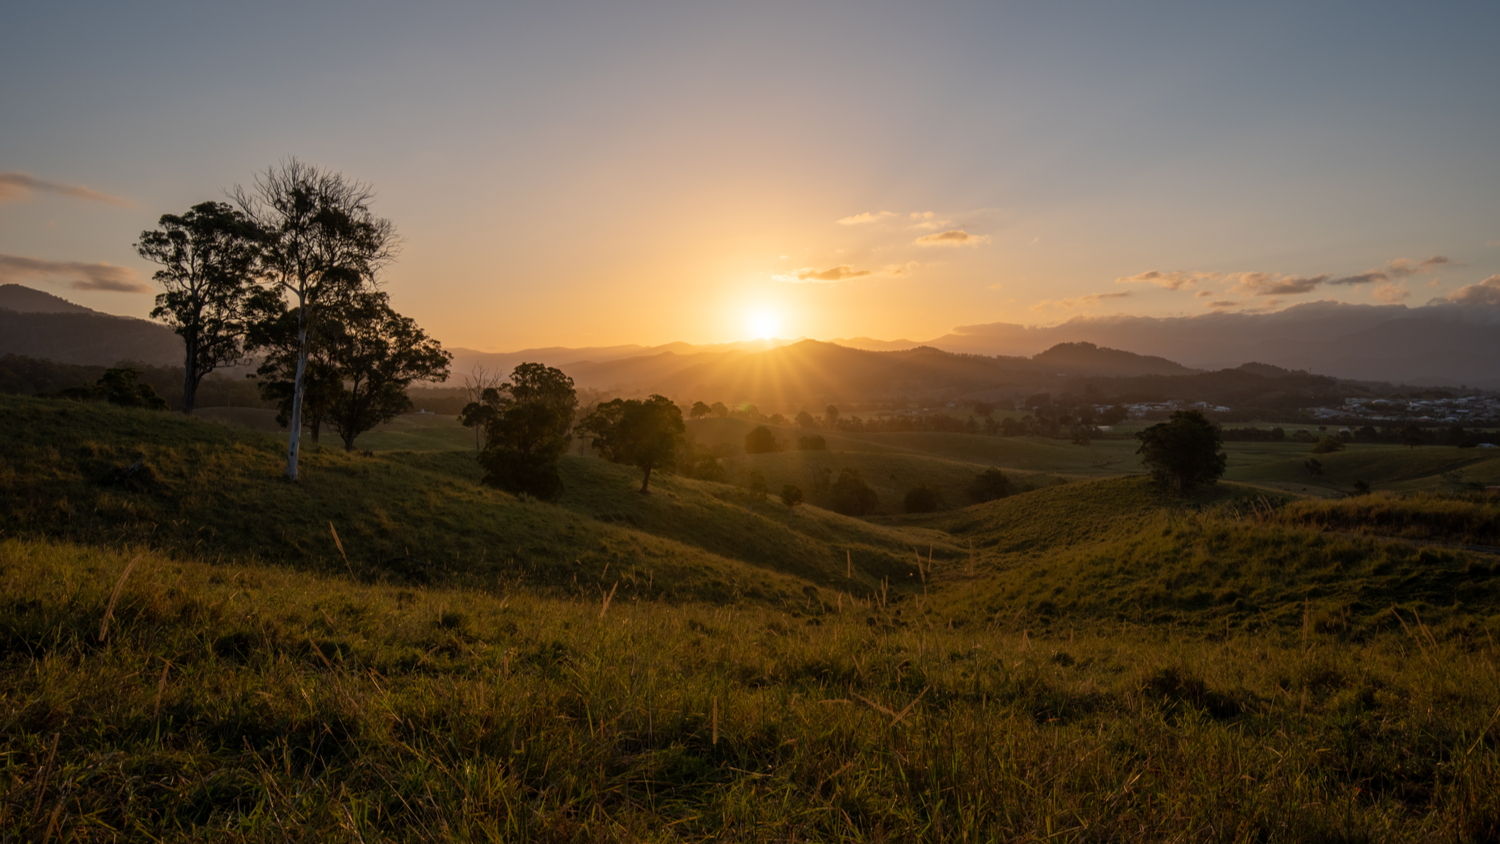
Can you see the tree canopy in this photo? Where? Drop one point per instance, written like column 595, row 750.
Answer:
column 645, row 434
column 1183, row 450
column 208, row 258
column 527, row 423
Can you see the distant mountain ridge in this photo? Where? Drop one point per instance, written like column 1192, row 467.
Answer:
column 25, row 300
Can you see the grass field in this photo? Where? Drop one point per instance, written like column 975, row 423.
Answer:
column 1082, row 662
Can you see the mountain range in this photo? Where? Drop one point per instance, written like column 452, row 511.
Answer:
column 1434, row 345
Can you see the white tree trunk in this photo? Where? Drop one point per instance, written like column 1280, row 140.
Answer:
column 294, row 439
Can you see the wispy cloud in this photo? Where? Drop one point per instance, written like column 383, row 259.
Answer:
column 1080, row 301
column 840, row 273
column 952, row 237
column 1221, row 304
column 1276, row 284
column 1175, row 280
column 1203, row 294
column 76, row 274
column 1486, row 292
column 1401, row 268
column 16, row 186
column 866, row 217
column 1390, row 292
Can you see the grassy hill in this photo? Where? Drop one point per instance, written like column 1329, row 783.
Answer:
column 216, row 490
column 1085, row 661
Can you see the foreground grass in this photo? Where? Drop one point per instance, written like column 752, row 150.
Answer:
column 256, row 704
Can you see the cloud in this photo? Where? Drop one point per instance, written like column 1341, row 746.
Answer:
column 866, row 217
column 1276, row 284
column 1390, row 292
column 1222, row 304
column 16, row 186
column 842, row 272
column 78, row 275
column 1080, row 301
column 1402, row 268
column 1486, row 292
column 1175, row 280
column 952, row 237
column 1362, row 278
column 1203, row 294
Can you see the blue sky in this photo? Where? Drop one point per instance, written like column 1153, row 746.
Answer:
column 590, row 173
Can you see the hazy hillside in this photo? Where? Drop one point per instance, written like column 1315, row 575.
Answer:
column 1435, row 344
column 15, row 297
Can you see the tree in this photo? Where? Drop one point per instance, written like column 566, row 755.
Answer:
column 805, row 420
column 756, row 484
column 1412, row 436
column 791, row 496
column 990, row 485
column 320, row 244
column 527, row 424
column 645, row 434
column 831, row 414
column 1313, row 465
column 812, row 442
column 479, row 380
column 718, row 409
column 120, row 386
column 377, row 353
column 1327, row 445
column 850, row 494
column 1184, row 449
column 760, row 440
column 208, row 262
column 984, row 409
column 272, row 330
column 699, row 409
column 922, row 499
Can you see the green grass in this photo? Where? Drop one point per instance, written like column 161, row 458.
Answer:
column 1084, row 662
column 1385, row 467
column 254, row 704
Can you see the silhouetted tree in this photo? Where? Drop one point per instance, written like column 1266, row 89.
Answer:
column 805, row 420
column 831, row 416
column 791, row 496
column 320, row 244
column 812, row 442
column 1327, row 445
column 527, row 424
column 990, row 485
column 208, row 261
column 1184, row 449
column 850, row 494
column 1412, row 436
column 120, row 386
column 756, row 484
column 476, row 383
column 922, row 499
column 645, row 434
column 718, row 409
column 377, row 354
column 760, row 440
column 273, row 332
column 700, row 409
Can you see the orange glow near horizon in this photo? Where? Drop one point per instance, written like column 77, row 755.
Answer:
column 763, row 324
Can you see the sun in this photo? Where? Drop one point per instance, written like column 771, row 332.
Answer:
column 763, row 324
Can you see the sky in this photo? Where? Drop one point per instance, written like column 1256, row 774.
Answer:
column 586, row 174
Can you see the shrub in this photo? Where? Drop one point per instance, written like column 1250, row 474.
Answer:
column 760, row 440
column 922, row 499
column 990, row 485
column 850, row 494
column 812, row 442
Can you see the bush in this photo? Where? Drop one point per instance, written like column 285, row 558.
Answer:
column 812, row 442
column 990, row 485
column 1328, row 445
column 760, row 440
column 850, row 494
column 791, row 496
column 922, row 499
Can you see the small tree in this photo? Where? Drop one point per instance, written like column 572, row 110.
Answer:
column 990, row 485
column 1184, row 450
column 479, row 379
column 527, row 425
column 208, row 259
column 756, row 484
column 718, row 409
column 760, row 440
column 645, row 434
column 699, row 409
column 1412, row 436
column 1314, row 466
column 922, row 499
column 377, row 354
column 831, row 416
column 1328, row 445
column 812, row 442
column 272, row 331
column 805, row 420
column 791, row 496
column 850, row 494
